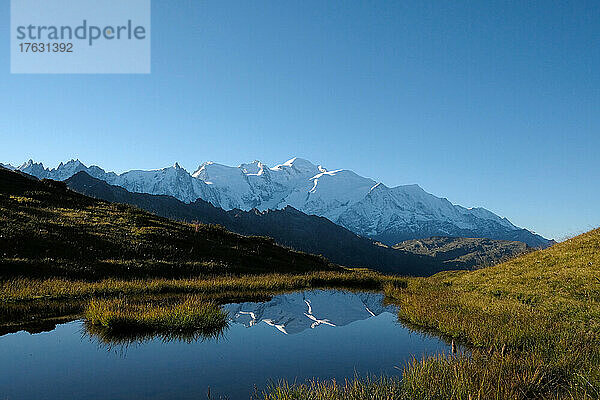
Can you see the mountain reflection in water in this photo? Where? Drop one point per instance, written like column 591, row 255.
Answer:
column 295, row 312
column 329, row 335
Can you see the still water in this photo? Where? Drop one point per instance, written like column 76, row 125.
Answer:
column 297, row 336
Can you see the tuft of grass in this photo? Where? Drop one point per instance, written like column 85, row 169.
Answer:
column 441, row 377
column 480, row 376
column 382, row 388
column 190, row 315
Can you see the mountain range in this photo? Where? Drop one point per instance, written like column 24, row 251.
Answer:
column 311, row 234
column 364, row 206
column 288, row 226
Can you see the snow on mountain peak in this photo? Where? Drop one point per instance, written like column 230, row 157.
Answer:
column 296, row 161
column 201, row 168
column 256, row 168
column 214, row 170
column 8, row 166
column 376, row 186
column 29, row 164
column 299, row 164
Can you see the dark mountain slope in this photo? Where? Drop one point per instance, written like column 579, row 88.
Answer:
column 288, row 227
column 48, row 230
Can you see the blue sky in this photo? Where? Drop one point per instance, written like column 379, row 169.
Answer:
column 493, row 104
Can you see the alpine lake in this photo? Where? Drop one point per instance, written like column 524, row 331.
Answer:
column 324, row 334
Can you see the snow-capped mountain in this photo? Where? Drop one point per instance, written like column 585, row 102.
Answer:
column 7, row 166
column 172, row 181
column 362, row 205
column 295, row 312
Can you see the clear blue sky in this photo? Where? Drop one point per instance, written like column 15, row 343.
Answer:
column 493, row 104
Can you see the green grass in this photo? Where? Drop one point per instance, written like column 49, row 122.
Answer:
column 355, row 389
column 533, row 324
column 24, row 289
column 191, row 315
column 438, row 377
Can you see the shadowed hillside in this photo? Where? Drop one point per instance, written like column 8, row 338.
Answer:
column 49, row 230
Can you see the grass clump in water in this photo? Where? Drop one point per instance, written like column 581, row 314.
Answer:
column 192, row 314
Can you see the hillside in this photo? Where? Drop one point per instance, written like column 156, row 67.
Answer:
column 464, row 253
column 566, row 273
column 537, row 314
column 49, row 230
column 289, row 227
